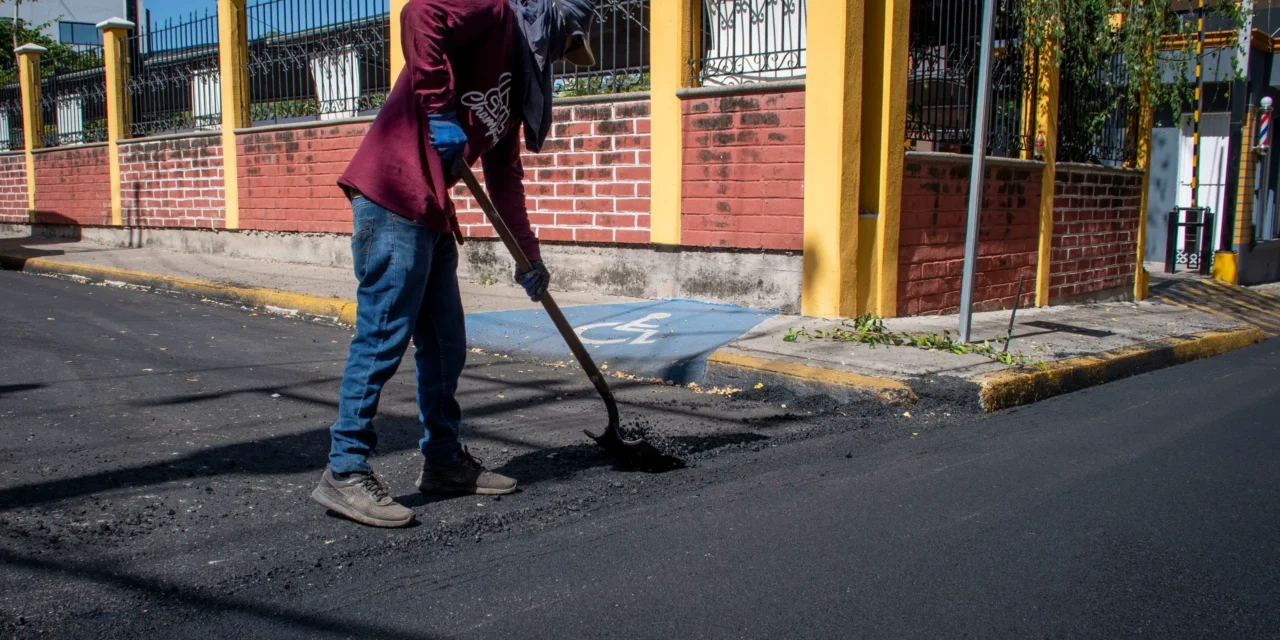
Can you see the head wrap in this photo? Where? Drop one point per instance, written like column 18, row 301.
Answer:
column 545, row 28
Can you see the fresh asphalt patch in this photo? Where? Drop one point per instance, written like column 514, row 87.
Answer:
column 159, row 453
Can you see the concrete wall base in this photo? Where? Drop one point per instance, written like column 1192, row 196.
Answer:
column 763, row 280
column 1114, row 294
column 753, row 279
column 325, row 249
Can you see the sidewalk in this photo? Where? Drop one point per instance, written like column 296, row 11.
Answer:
column 328, row 282
column 1062, row 349
column 1056, row 349
column 668, row 340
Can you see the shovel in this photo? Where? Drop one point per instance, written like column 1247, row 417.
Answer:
column 635, row 454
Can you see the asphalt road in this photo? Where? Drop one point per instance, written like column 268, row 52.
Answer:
column 140, row 504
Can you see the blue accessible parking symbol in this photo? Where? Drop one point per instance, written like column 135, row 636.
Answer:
column 645, row 327
column 667, row 339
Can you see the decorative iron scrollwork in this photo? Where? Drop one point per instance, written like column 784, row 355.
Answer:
column 942, row 91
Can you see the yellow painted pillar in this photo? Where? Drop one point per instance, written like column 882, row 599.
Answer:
column 397, row 51
column 1146, row 120
column 1246, row 189
column 1226, row 264
column 233, row 54
column 884, row 123
column 671, row 28
column 832, row 157
column 1046, row 132
column 32, row 117
column 114, row 34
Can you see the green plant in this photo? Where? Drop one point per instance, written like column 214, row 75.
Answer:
column 601, row 84
column 869, row 329
column 260, row 111
column 1136, row 35
column 60, row 58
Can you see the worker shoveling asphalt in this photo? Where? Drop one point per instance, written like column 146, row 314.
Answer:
column 475, row 70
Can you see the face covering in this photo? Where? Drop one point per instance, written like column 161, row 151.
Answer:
column 545, row 27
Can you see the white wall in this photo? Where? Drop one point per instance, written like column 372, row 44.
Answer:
column 92, row 11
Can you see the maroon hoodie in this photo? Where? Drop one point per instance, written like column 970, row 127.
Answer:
column 461, row 56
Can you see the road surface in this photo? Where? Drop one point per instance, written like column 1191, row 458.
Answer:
column 155, row 486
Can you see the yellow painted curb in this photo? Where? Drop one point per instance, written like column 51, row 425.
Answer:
column 886, row 389
column 1010, row 388
column 334, row 309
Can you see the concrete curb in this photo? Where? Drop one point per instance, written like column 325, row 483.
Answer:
column 997, row 390
column 1011, row 388
column 336, row 310
column 741, row 367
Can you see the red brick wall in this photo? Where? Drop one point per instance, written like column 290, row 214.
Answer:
column 744, row 171
column 1095, row 229
column 289, row 178
column 73, row 185
column 176, row 182
column 590, row 183
column 935, row 197
column 13, row 187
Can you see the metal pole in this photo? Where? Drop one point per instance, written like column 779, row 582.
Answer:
column 1013, row 317
column 977, row 170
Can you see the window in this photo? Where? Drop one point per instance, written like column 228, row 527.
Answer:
column 78, row 33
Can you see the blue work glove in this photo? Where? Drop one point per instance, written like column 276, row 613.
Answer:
column 534, row 282
column 447, row 136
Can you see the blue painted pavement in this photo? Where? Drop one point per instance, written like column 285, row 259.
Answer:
column 667, row 339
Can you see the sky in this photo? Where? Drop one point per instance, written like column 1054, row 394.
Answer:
column 162, row 10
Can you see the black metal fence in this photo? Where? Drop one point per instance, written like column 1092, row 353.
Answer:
column 73, row 96
column 1094, row 111
column 11, row 136
column 942, row 85
column 174, row 81
column 322, row 59
column 744, row 41
column 620, row 38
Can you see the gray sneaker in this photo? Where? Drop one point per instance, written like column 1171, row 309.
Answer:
column 468, row 476
column 362, row 497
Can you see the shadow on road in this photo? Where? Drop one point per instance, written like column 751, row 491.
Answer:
column 307, row 451
column 18, row 388
column 169, row 594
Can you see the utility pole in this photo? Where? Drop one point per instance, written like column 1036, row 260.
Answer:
column 14, row 27
column 977, row 169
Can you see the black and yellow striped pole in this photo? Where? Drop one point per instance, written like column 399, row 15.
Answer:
column 1195, row 144
column 1199, row 106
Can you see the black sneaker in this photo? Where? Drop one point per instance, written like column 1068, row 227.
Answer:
column 361, row 497
column 468, row 476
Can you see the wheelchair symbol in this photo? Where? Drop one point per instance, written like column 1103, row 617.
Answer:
column 641, row 326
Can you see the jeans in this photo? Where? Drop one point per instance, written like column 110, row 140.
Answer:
column 408, row 288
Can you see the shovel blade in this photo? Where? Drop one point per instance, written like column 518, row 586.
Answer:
column 638, row 455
